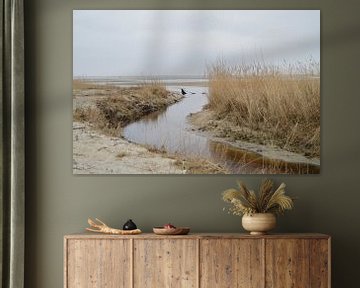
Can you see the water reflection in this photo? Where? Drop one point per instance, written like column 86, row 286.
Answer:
column 170, row 130
column 244, row 161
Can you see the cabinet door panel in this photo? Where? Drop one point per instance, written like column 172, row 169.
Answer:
column 231, row 263
column 98, row 263
column 165, row 263
column 287, row 263
column 319, row 263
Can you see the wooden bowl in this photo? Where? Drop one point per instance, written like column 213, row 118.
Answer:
column 171, row 231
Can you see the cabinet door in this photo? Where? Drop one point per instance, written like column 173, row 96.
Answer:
column 98, row 263
column 320, row 263
column 231, row 263
column 287, row 263
column 165, row 263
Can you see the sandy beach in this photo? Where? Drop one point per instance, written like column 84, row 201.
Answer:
column 100, row 149
column 95, row 153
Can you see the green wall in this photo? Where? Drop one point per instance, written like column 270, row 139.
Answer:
column 59, row 203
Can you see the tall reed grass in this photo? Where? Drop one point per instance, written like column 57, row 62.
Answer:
column 273, row 104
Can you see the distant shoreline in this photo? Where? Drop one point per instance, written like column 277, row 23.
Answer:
column 130, row 81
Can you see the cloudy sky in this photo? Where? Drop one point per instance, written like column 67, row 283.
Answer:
column 135, row 42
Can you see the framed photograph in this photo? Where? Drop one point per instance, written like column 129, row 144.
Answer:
column 196, row 91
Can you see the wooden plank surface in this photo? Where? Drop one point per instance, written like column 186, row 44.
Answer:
column 166, row 263
column 231, row 263
column 89, row 235
column 98, row 263
column 287, row 263
column 197, row 260
column 319, row 263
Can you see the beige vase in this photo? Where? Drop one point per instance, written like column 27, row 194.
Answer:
column 259, row 223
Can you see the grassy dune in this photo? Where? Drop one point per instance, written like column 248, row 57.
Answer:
column 109, row 108
column 264, row 104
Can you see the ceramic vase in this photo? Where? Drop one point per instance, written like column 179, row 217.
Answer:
column 259, row 223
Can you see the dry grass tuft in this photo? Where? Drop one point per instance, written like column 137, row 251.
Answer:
column 154, row 149
column 272, row 106
column 189, row 164
column 114, row 107
column 195, row 165
column 81, row 84
column 121, row 155
column 245, row 201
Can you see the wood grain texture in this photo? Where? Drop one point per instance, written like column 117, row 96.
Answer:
column 165, row 263
column 197, row 260
column 231, row 263
column 88, row 235
column 287, row 263
column 319, row 263
column 98, row 263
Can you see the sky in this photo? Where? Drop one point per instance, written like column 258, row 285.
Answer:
column 185, row 42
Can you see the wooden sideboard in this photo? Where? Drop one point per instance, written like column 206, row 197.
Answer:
column 197, row 260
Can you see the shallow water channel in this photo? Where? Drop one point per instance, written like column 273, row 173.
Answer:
column 170, row 130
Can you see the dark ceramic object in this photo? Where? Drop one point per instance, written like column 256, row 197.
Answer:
column 129, row 225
